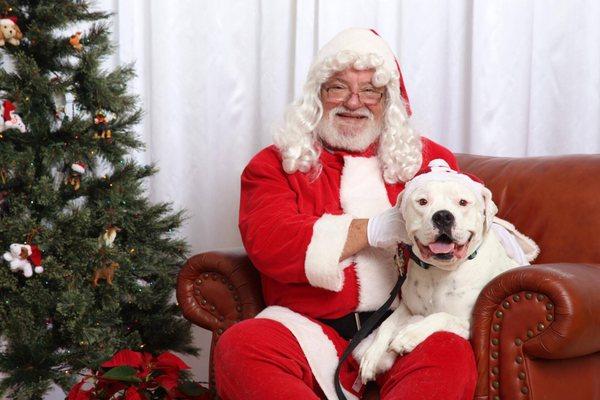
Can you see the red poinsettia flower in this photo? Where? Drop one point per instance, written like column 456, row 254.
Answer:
column 78, row 393
column 130, row 375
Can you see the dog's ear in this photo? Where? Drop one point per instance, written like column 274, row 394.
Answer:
column 18, row 34
column 489, row 207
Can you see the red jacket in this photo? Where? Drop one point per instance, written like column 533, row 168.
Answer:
column 294, row 230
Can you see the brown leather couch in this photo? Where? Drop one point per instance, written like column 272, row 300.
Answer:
column 536, row 329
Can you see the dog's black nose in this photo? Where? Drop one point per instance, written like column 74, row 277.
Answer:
column 442, row 219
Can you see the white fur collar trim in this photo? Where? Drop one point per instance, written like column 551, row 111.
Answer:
column 363, row 195
column 318, row 349
column 362, row 191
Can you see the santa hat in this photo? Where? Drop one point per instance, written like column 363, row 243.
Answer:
column 439, row 170
column 78, row 167
column 12, row 20
column 35, row 258
column 362, row 41
column 7, row 108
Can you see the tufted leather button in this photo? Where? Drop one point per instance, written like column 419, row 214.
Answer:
column 212, row 308
column 550, row 317
column 495, row 341
column 519, row 360
column 495, row 355
column 495, row 370
column 239, row 308
column 230, row 287
column 521, row 375
column 541, row 326
column 496, row 327
column 530, row 333
column 219, row 331
column 549, row 306
column 518, row 342
column 506, row 304
column 496, row 384
column 199, row 281
column 516, row 297
column 499, row 314
column 540, row 297
column 496, row 397
column 203, row 301
column 528, row 296
column 524, row 390
column 205, row 275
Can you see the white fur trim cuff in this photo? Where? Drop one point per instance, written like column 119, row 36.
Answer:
column 322, row 265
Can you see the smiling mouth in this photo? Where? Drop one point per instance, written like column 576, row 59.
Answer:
column 444, row 248
column 351, row 116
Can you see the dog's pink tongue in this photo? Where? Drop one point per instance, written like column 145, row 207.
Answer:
column 440, row 248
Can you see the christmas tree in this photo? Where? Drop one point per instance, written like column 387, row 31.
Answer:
column 89, row 264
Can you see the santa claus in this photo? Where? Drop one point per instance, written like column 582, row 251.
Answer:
column 319, row 222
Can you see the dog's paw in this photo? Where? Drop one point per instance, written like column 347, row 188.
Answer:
column 375, row 360
column 407, row 339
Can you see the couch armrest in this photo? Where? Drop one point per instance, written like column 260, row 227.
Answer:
column 547, row 311
column 217, row 289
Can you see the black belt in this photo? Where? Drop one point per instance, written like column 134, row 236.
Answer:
column 349, row 324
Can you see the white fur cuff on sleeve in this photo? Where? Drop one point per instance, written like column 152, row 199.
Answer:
column 322, row 265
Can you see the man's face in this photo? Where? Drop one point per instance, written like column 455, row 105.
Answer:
column 348, row 123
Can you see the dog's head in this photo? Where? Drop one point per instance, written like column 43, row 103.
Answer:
column 9, row 29
column 447, row 215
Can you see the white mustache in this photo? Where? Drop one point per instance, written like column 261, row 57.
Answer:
column 361, row 112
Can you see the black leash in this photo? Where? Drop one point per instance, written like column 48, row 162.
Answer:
column 365, row 330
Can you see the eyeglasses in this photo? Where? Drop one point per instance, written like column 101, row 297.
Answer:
column 341, row 94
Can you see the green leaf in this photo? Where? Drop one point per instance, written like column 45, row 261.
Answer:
column 122, row 373
column 192, row 389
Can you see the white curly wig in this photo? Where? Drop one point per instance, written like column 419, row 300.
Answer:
column 399, row 145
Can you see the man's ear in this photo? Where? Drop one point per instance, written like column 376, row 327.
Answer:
column 489, row 208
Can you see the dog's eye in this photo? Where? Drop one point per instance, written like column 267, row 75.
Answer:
column 463, row 203
column 422, row 202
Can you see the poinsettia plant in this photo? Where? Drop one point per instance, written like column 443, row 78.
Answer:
column 130, row 375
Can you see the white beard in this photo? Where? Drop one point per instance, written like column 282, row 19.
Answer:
column 357, row 139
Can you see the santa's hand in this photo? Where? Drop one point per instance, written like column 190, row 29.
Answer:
column 387, row 228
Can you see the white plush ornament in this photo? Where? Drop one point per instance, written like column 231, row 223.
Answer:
column 9, row 118
column 24, row 257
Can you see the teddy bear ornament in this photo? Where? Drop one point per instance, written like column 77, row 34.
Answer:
column 24, row 257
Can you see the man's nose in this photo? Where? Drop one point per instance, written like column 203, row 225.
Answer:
column 442, row 219
column 353, row 102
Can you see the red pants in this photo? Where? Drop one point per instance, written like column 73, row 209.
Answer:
column 261, row 359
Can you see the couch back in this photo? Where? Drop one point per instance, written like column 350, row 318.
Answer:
column 553, row 200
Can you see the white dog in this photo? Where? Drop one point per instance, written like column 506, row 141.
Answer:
column 450, row 226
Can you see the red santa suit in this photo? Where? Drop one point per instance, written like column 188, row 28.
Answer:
column 294, row 230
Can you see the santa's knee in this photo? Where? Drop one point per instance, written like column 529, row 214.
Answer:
column 451, row 354
column 243, row 346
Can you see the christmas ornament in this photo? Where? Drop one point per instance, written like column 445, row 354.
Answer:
column 24, row 257
column 10, row 119
column 108, row 237
column 9, row 31
column 102, row 130
column 75, row 41
column 107, row 272
column 74, row 178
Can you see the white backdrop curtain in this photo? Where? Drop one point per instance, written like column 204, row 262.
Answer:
column 504, row 78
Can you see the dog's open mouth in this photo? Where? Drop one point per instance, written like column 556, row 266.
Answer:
column 444, row 248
